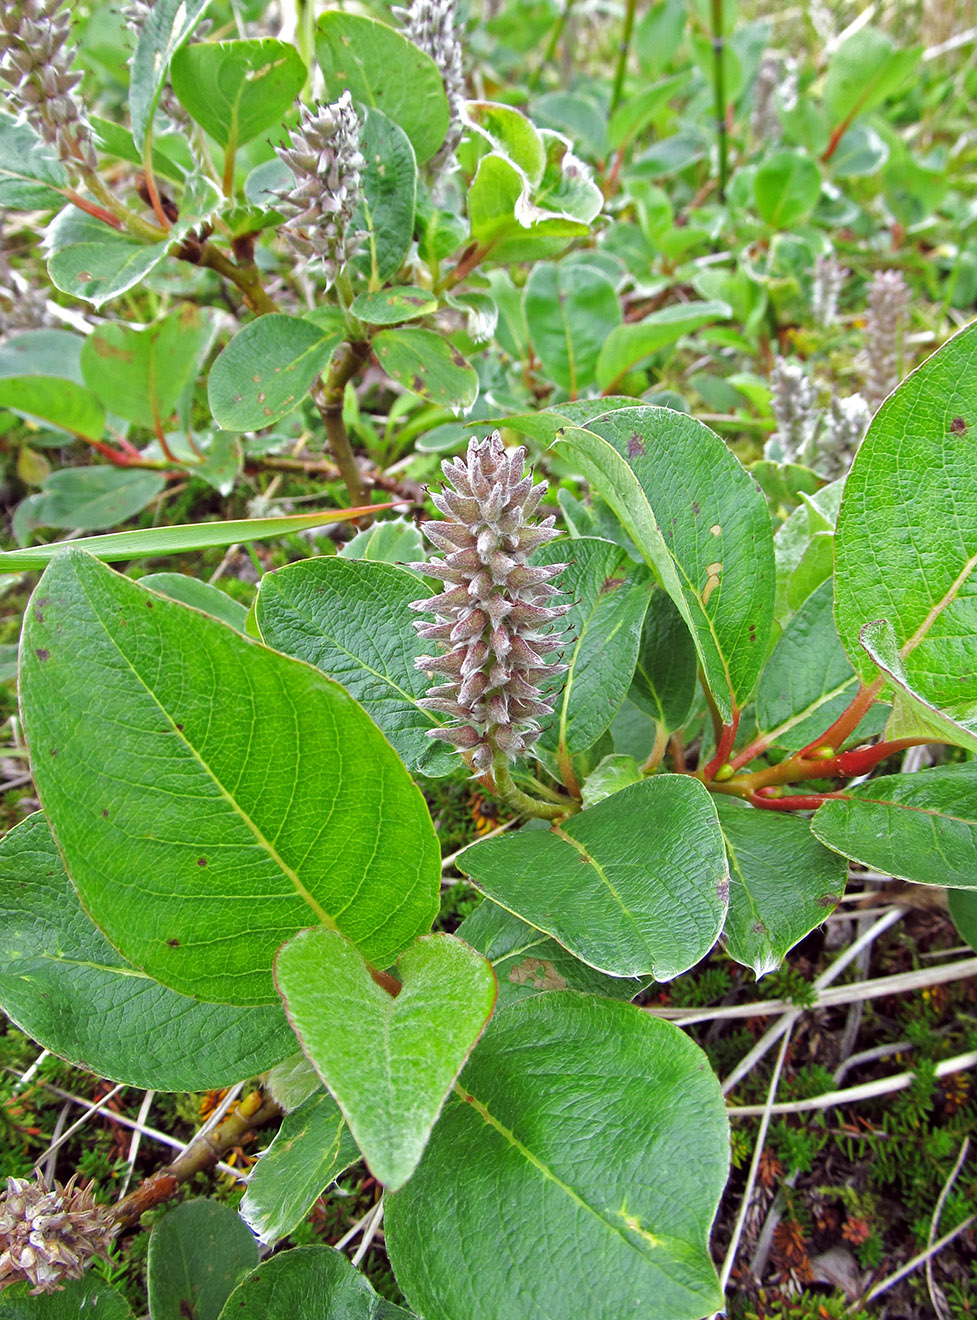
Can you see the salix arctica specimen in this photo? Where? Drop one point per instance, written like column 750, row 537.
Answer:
column 49, row 1235
column 493, row 616
column 324, row 156
column 36, row 56
column 431, row 26
column 888, row 303
column 829, row 279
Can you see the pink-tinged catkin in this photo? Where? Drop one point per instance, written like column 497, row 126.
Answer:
column 885, row 325
column 493, row 619
column 49, row 1235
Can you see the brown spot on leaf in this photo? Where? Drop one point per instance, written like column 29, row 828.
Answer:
column 635, row 445
column 149, row 604
column 539, row 973
column 38, row 615
column 957, row 425
column 458, row 358
column 752, row 632
column 828, row 900
column 256, row 379
column 417, row 383
column 262, row 396
column 610, row 584
column 105, row 813
column 83, row 276
column 42, row 654
column 174, row 944
column 695, row 508
column 201, row 861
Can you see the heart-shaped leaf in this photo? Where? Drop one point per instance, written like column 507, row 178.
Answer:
column 389, row 1061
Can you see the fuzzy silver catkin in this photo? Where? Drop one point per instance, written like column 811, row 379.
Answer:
column 885, row 324
column 36, row 56
column 794, row 411
column 774, row 89
column 432, row 26
column 829, row 280
column 49, row 1235
column 492, row 620
column 324, row 156
column 845, row 424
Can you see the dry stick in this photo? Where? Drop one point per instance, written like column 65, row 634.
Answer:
column 821, row 982
column 913, row 1264
column 369, row 1233
column 28, row 1076
column 934, row 1224
column 754, row 1166
column 136, row 1138
column 867, row 1091
column 95, row 1107
column 351, row 1233
column 202, row 1153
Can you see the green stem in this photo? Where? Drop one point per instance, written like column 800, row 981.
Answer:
column 554, row 41
column 245, row 277
column 719, row 88
column 622, row 54
column 522, row 802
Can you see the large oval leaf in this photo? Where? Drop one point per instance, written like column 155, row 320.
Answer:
column 63, row 983
column 570, row 312
column 381, row 68
column 314, row 1283
column 589, row 1122
column 232, row 796
column 385, row 217
column 921, row 827
column 634, row 885
column 906, row 540
column 428, row 365
column 237, row 89
column 197, row 1254
column 350, row 618
column 267, row 370
column 702, row 525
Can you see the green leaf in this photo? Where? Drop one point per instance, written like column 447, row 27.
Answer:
column 237, row 89
column 291, row 1082
column 156, row 541
column 634, row 886
column 906, row 540
column 963, row 910
column 350, row 618
column 613, row 773
column 629, row 345
column 571, row 311
column 664, row 678
column 42, row 353
column 636, row 112
column 920, row 827
column 230, row 836
column 503, row 220
column 31, row 176
column 267, row 370
column 201, row 595
column 385, row 217
column 865, row 71
column 90, row 498
column 427, row 365
column 389, row 1061
column 311, row 1283
column 703, row 527
column 803, row 549
column 391, row 306
column 808, row 681
column 141, row 374
column 115, row 140
column 609, row 596
column 166, row 27
column 381, row 68
column 310, row 1150
column 527, row 962
column 782, row 883
column 60, row 403
column 511, row 134
column 77, row 1297
column 63, row 983
column 912, row 715
column 393, row 541
column 589, row 1121
column 198, row 1253
column 786, row 187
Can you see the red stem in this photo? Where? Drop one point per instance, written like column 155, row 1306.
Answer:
column 794, row 801
column 726, row 740
column 90, row 208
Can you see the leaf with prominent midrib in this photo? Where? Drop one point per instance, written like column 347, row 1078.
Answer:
column 231, row 797
column 267, row 370
column 527, row 962
column 577, row 1173
column 782, row 883
column 237, row 89
column 636, row 885
column 198, row 1252
column 608, row 596
column 920, row 827
column 311, row 1148
column 350, row 619
column 906, row 540
column 808, row 681
column 308, row 1283
column 63, row 983
column 162, row 31
column 664, row 677
column 388, row 1060
column 701, row 523
column 77, row 1297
